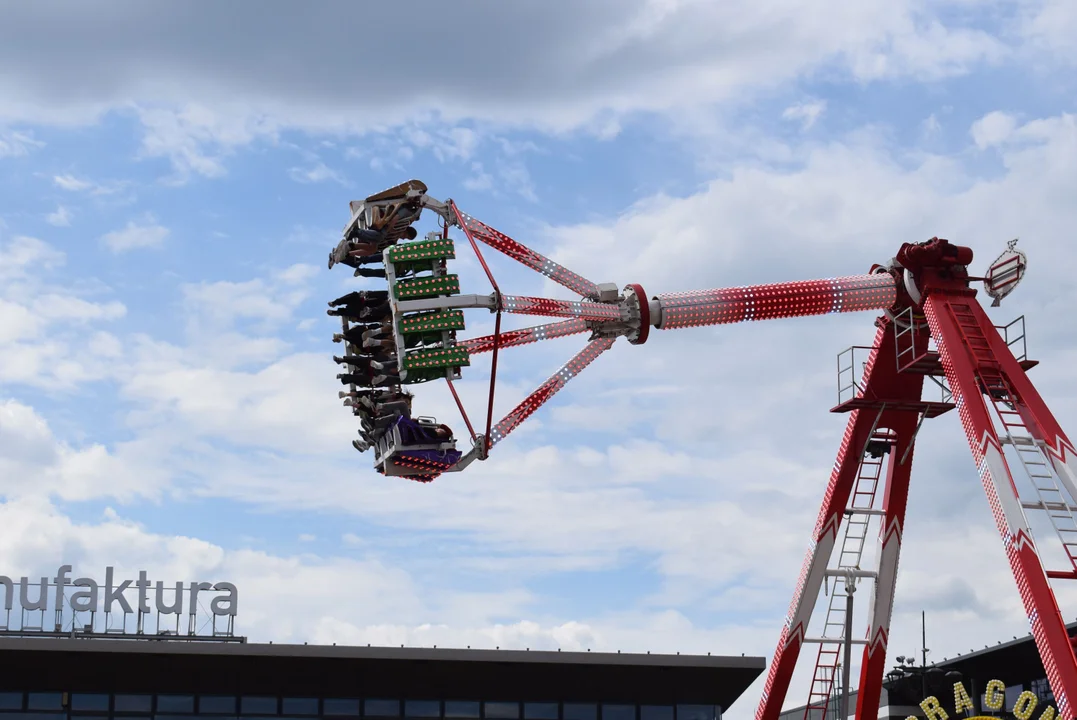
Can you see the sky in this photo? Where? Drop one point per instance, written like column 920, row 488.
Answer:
column 173, row 175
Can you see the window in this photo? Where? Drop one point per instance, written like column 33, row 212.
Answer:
column 133, row 703
column 1012, row 693
column 696, row 712
column 217, row 704
column 300, row 706
column 618, row 712
column 1042, row 689
column 10, row 701
column 258, row 705
column 84, row 701
column 578, row 711
column 45, row 701
column 502, row 710
column 421, row 709
column 656, row 712
column 461, row 709
column 175, row 703
column 340, row 706
column 541, row 711
column 381, row 708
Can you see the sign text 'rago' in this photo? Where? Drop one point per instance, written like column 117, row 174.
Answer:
column 994, row 698
column 87, row 606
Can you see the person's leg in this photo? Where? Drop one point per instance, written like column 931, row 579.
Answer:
column 354, row 334
column 376, row 295
column 392, row 408
column 345, row 299
column 386, row 366
column 370, row 272
column 372, row 259
column 373, row 313
column 362, row 361
column 363, row 249
column 352, row 312
column 368, row 236
column 384, row 380
column 378, row 344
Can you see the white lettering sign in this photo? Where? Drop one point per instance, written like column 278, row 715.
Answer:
column 74, row 597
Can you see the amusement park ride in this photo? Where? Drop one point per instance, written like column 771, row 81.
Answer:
column 931, row 327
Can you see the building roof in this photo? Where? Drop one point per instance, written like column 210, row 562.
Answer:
column 1013, row 662
column 171, row 666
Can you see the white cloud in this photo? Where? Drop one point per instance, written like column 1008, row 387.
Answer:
column 71, row 183
column 993, row 129
column 136, row 235
column 61, row 217
column 1051, row 25
column 806, row 113
column 17, row 144
column 195, row 138
column 23, row 255
column 318, row 173
column 612, row 61
column 42, row 323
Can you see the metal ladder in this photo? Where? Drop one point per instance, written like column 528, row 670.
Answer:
column 849, row 557
column 1030, row 452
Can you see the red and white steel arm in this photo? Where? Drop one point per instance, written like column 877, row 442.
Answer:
column 549, row 388
column 524, row 305
column 477, row 230
column 525, row 336
column 876, row 291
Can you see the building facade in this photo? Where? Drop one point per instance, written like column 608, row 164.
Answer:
column 156, row 679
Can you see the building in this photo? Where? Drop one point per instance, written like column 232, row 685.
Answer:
column 1016, row 663
column 73, row 678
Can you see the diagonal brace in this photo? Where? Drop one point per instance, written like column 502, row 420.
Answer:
column 477, row 230
column 549, row 388
column 525, row 336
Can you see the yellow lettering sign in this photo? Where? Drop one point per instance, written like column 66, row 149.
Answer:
column 933, row 710
column 1026, row 703
column 1048, row 713
column 995, row 694
column 962, row 701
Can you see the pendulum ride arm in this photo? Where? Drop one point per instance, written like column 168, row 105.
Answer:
column 877, row 291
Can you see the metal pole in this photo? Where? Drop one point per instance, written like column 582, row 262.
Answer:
column 850, row 588
column 923, row 650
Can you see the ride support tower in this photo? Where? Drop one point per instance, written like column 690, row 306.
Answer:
column 931, row 332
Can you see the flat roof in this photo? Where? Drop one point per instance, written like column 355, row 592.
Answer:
column 118, row 665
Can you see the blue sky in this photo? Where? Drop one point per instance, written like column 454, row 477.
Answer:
column 167, row 397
